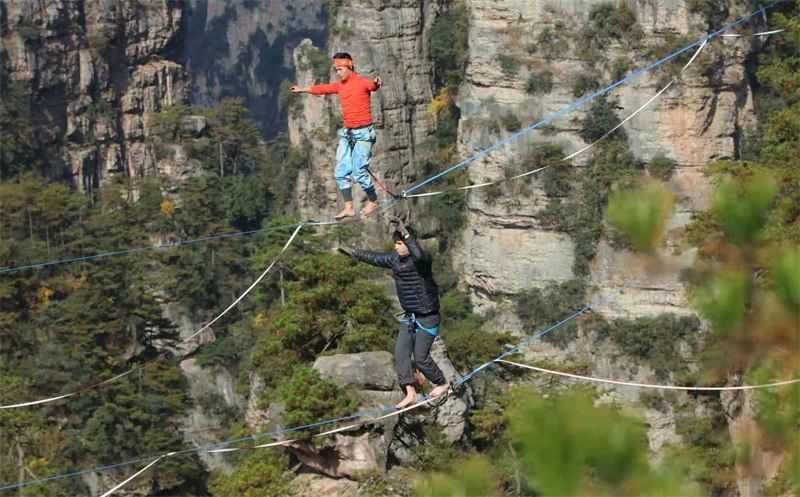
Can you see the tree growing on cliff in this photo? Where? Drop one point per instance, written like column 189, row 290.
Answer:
column 16, row 133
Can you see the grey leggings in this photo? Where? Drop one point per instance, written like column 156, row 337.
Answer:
column 412, row 339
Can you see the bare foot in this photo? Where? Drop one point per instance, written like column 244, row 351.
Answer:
column 369, row 209
column 410, row 399
column 440, row 389
column 345, row 213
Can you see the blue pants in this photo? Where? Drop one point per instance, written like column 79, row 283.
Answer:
column 355, row 160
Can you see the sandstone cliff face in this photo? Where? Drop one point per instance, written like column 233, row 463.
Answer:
column 96, row 71
column 244, row 48
column 504, row 251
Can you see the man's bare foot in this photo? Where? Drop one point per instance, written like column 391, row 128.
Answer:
column 369, row 209
column 349, row 211
column 440, row 389
column 410, row 399
column 345, row 213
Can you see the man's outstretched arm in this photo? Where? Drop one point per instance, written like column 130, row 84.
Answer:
column 376, row 84
column 380, row 259
column 317, row 89
column 417, row 253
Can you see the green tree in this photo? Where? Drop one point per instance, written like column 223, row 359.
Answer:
column 108, row 313
column 308, row 398
column 449, row 45
column 749, row 319
column 16, row 133
column 263, row 473
column 540, row 308
column 468, row 344
column 600, row 119
column 332, row 306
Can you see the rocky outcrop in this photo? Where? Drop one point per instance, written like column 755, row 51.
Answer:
column 371, row 377
column 214, row 393
column 96, row 71
column 313, row 485
column 367, row 370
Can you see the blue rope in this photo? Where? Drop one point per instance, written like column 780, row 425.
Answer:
column 548, row 330
column 320, row 423
column 148, row 247
column 177, row 244
column 787, row 192
column 590, row 97
column 197, row 449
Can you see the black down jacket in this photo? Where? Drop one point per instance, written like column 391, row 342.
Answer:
column 413, row 276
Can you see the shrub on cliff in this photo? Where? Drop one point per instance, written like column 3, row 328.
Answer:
column 449, row 45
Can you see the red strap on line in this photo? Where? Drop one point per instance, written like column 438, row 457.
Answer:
column 419, row 376
column 381, row 184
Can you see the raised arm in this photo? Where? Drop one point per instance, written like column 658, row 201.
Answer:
column 374, row 84
column 417, row 253
column 318, row 89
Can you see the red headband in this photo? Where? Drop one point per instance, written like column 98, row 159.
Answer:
column 343, row 63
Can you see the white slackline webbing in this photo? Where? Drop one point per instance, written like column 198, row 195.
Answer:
column 584, row 149
column 648, row 385
column 133, row 476
column 765, row 33
column 335, row 430
column 696, row 53
column 249, row 289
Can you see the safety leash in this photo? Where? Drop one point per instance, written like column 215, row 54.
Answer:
column 375, row 178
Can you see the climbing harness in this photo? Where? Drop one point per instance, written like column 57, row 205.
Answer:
column 416, row 326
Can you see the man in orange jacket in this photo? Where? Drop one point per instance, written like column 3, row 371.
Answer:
column 357, row 136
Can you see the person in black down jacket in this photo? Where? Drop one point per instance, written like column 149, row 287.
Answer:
column 419, row 298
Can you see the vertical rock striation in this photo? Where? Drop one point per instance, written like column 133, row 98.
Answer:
column 695, row 121
column 95, row 71
column 243, row 48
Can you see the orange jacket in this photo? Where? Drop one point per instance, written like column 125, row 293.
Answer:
column 354, row 94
